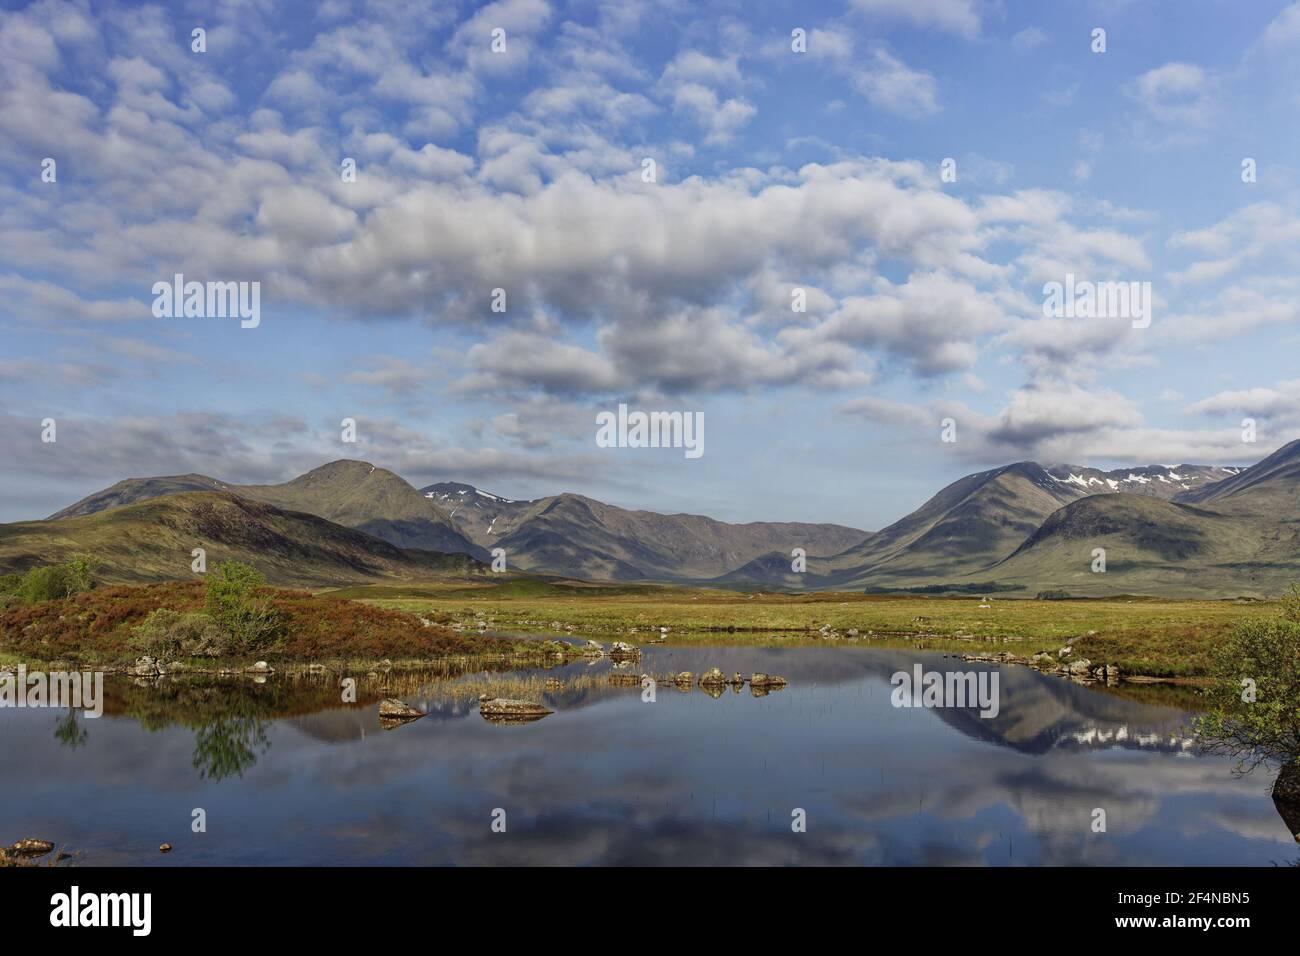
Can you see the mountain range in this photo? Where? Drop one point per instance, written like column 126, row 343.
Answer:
column 1183, row 531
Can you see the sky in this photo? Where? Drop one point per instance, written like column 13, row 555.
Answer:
column 651, row 185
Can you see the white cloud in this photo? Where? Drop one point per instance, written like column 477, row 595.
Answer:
column 890, row 84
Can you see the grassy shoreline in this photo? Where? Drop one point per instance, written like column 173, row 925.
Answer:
column 1141, row 636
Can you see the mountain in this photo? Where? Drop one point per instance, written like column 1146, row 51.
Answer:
column 480, row 516
column 370, row 499
column 971, row 524
column 355, row 494
column 1160, row 481
column 1236, row 536
column 1183, row 530
column 1275, row 480
column 573, row 535
column 152, row 539
column 576, row 536
column 1155, row 547
column 130, row 490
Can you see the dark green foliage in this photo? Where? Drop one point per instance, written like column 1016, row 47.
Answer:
column 1262, row 656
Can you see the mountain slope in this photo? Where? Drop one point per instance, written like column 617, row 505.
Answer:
column 480, row 516
column 1161, row 481
column 1272, row 482
column 152, row 540
column 355, row 494
column 370, row 499
column 573, row 535
column 130, row 490
column 971, row 524
column 1155, row 547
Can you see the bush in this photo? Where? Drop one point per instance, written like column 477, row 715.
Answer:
column 166, row 634
column 45, row 584
column 1291, row 604
column 52, row 582
column 250, row 626
column 1267, row 654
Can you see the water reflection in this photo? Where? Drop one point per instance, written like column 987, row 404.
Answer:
column 290, row 774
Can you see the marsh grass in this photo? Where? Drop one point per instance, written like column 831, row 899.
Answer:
column 1140, row 635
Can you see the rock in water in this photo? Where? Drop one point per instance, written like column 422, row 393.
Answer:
column 620, row 651
column 713, row 677
column 31, row 848
column 1287, row 784
column 390, row 708
column 144, row 667
column 507, row 710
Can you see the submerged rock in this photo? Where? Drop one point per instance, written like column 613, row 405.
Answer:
column 507, row 710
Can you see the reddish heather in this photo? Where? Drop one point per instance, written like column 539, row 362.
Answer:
column 96, row 625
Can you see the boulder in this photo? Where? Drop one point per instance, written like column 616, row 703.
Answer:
column 30, row 848
column 390, row 708
column 766, row 680
column 736, row 680
column 619, row 651
column 261, row 667
column 1287, row 784
column 505, row 709
column 685, row 677
column 144, row 667
column 1080, row 668
column 713, row 677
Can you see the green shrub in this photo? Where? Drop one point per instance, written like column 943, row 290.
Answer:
column 1263, row 655
column 48, row 583
column 250, row 625
column 54, row 581
column 166, row 634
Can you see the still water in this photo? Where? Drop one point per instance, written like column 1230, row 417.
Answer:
column 287, row 774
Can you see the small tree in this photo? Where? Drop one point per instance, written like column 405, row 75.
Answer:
column 1255, row 700
column 81, row 571
column 231, row 601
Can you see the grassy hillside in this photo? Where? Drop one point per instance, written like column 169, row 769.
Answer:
column 1157, row 547
column 153, row 539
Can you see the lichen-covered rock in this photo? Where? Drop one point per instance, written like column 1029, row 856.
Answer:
column 31, row 848
column 713, row 677
column 390, row 708
column 505, row 709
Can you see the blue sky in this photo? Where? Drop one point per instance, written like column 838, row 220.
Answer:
column 522, row 170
